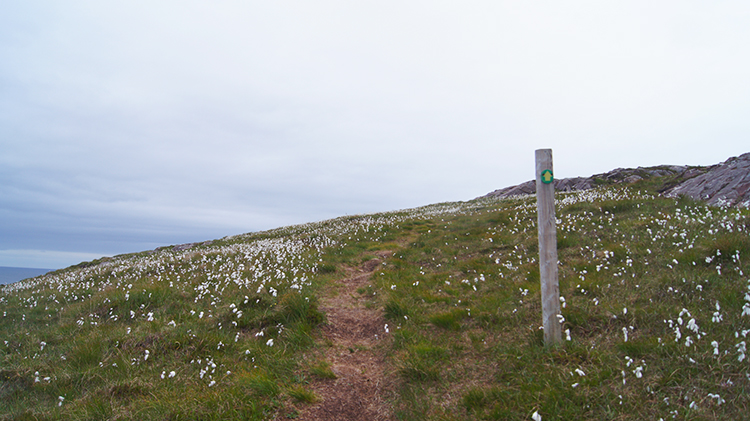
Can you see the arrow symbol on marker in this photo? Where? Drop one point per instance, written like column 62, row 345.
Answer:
column 547, row 176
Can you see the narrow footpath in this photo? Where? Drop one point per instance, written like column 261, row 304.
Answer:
column 354, row 336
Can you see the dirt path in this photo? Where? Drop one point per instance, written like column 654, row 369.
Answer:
column 355, row 334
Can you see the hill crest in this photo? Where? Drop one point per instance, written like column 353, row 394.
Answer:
column 727, row 183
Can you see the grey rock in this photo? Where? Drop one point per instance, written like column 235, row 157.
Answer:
column 619, row 175
column 727, row 183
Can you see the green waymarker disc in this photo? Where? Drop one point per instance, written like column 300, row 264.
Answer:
column 547, row 177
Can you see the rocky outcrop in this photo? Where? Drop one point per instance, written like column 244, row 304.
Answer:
column 617, row 176
column 725, row 183
column 529, row 187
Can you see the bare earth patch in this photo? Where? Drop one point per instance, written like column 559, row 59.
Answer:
column 355, row 334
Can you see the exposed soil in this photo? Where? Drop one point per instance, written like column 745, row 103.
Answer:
column 355, row 334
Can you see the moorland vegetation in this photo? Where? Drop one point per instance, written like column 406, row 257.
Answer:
column 655, row 296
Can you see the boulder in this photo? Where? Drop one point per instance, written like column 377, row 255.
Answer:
column 725, row 184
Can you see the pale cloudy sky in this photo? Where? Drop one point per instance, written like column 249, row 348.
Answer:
column 128, row 125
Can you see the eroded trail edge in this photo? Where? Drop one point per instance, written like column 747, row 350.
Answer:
column 355, row 335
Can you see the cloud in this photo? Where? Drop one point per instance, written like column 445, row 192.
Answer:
column 131, row 125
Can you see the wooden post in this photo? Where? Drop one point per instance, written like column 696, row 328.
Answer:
column 545, row 199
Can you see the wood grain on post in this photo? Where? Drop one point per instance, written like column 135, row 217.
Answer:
column 545, row 199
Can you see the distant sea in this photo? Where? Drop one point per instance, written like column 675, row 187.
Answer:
column 10, row 275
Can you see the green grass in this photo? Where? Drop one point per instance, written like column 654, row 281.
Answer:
column 233, row 327
column 482, row 296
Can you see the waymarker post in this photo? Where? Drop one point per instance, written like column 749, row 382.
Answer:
column 545, row 199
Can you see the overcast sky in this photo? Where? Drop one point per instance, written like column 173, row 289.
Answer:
column 129, row 125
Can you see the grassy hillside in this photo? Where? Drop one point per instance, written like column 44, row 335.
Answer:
column 656, row 312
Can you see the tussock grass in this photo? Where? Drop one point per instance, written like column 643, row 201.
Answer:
column 301, row 394
column 322, row 369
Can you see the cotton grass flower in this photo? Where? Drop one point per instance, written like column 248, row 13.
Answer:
column 741, row 349
column 718, row 398
column 638, row 372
